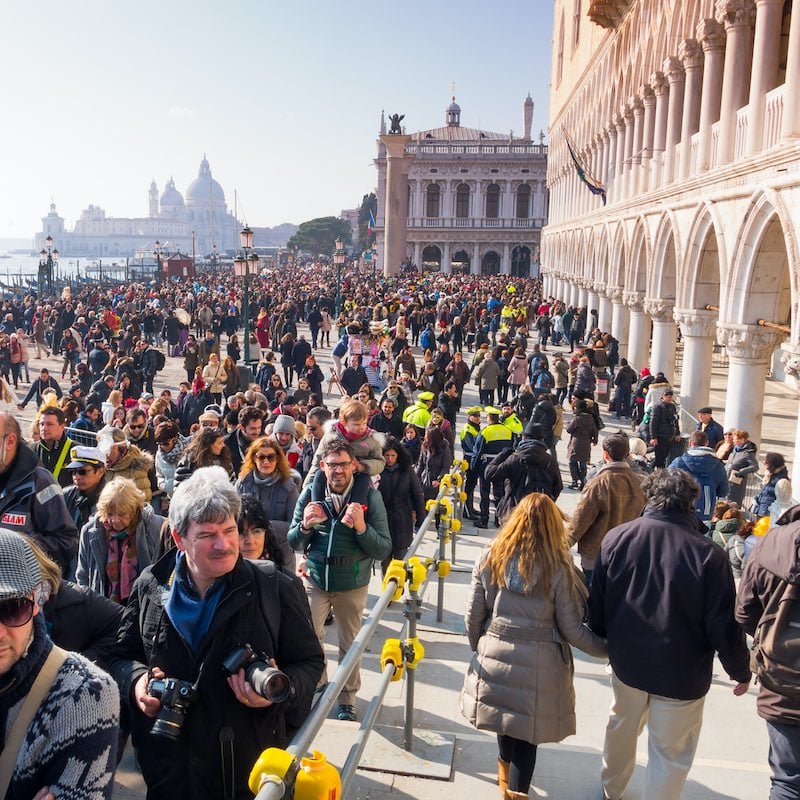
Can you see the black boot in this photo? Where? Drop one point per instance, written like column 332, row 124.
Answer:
column 482, row 523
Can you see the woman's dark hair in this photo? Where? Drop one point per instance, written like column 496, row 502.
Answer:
column 403, row 458
column 199, row 454
column 254, row 516
column 434, row 439
column 774, row 462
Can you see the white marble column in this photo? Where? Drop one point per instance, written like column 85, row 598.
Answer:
column 790, row 358
column 619, row 185
column 611, row 135
column 475, row 265
column 477, row 204
column 447, row 265
column 661, row 90
column 417, row 254
column 764, row 78
column 574, row 294
column 507, row 201
column 620, row 318
column 649, row 101
column 396, row 212
column 737, row 16
column 662, row 356
column 505, row 264
column 711, row 36
column 583, row 295
column 592, row 303
column 750, row 350
column 637, row 106
column 791, row 96
column 691, row 56
column 419, row 209
column 673, row 69
column 628, row 154
column 698, row 329
column 639, row 331
column 605, row 311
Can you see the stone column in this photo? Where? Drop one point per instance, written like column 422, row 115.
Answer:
column 635, row 167
column 609, row 177
column 649, row 102
column 505, row 264
column 750, row 350
column 574, row 294
column 639, row 332
column 620, row 319
column 627, row 163
column 417, row 254
column 604, row 318
column 592, row 302
column 790, row 358
column 475, row 265
column 673, row 69
column 765, row 68
column 661, row 90
column 507, row 201
column 477, row 204
column 396, row 220
column 619, row 185
column 711, row 36
column 662, row 357
column 737, row 17
column 691, row 55
column 418, row 202
column 446, row 262
column 698, row 329
column 791, row 95
column 583, row 295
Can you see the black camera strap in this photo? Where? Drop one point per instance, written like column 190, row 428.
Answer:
column 227, row 756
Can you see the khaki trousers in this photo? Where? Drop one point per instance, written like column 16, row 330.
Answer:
column 673, row 728
column 348, row 608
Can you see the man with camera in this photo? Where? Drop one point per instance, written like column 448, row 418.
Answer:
column 216, row 655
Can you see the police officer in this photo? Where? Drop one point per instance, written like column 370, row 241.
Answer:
column 491, row 441
column 469, row 433
column 511, row 421
column 419, row 413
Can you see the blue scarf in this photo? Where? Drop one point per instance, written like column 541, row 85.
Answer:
column 189, row 613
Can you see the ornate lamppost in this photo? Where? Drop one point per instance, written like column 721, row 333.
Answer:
column 339, row 259
column 246, row 259
column 47, row 260
column 157, row 255
column 214, row 258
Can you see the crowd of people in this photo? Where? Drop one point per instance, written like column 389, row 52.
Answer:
column 141, row 501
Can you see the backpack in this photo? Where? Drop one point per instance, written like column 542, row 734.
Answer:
column 426, row 340
column 340, row 349
column 775, row 657
column 161, row 360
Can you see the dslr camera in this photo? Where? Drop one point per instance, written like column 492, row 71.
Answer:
column 176, row 697
column 268, row 681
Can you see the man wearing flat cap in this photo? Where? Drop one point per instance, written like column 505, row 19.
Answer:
column 710, row 427
column 64, row 738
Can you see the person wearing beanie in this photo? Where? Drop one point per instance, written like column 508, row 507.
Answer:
column 284, row 432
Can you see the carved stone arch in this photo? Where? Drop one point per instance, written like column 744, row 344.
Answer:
column 764, row 275
column 640, row 256
column 619, row 255
column 702, row 269
column 603, row 271
column 663, row 278
column 577, row 264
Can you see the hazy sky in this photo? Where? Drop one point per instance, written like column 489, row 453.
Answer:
column 284, row 98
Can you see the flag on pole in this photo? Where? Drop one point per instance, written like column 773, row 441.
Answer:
column 592, row 184
column 371, row 224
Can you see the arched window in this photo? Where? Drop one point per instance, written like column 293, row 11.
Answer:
column 523, row 201
column 560, row 56
column 493, row 201
column 431, row 258
column 462, row 201
column 490, row 263
column 432, row 201
column 576, row 23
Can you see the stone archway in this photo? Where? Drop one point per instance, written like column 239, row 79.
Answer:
column 521, row 261
column 490, row 263
column 431, row 258
column 460, row 263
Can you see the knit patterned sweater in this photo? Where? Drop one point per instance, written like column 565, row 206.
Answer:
column 71, row 745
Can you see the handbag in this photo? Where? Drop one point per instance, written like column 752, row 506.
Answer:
column 41, row 686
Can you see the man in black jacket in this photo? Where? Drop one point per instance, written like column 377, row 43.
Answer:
column 663, row 595
column 44, row 381
column 87, row 467
column 249, row 427
column 187, row 615
column 529, row 468
column 664, row 428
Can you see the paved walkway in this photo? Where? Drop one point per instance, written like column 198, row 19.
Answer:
column 732, row 756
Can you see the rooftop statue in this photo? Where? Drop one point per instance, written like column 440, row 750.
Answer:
column 395, row 120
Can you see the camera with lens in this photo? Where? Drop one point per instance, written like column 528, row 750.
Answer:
column 176, row 698
column 268, row 681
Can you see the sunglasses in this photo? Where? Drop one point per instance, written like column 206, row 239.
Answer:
column 271, row 457
column 16, row 612
column 136, row 427
column 83, row 471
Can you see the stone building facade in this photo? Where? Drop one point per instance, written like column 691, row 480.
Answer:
column 688, row 111
column 477, row 200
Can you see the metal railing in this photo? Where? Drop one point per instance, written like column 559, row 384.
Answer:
column 398, row 656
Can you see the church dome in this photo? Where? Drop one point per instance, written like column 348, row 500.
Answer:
column 204, row 188
column 170, row 196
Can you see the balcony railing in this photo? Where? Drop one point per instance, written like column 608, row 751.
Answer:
column 437, row 150
column 475, row 222
column 712, row 159
column 740, row 141
column 773, row 117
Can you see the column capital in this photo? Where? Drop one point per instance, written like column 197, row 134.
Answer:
column 673, row 69
column 647, row 94
column 627, row 113
column 659, row 83
column 619, row 123
column 605, row 135
column 691, row 54
column 615, row 294
column 634, row 301
column 636, row 105
column 696, row 323
column 790, row 358
column 710, row 34
column 748, row 342
column 736, row 13
column 659, row 310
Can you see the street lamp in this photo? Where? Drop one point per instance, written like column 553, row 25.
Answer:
column 338, row 260
column 47, row 260
column 246, row 259
column 157, row 255
column 214, row 257
column 375, row 263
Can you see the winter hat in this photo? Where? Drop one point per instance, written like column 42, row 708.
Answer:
column 20, row 573
column 284, row 424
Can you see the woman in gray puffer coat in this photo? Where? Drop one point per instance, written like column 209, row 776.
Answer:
column 526, row 607
column 266, row 474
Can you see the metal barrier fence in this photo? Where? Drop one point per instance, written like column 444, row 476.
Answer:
column 276, row 770
column 82, row 437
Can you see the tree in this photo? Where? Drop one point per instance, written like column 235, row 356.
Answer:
column 318, row 236
column 365, row 239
